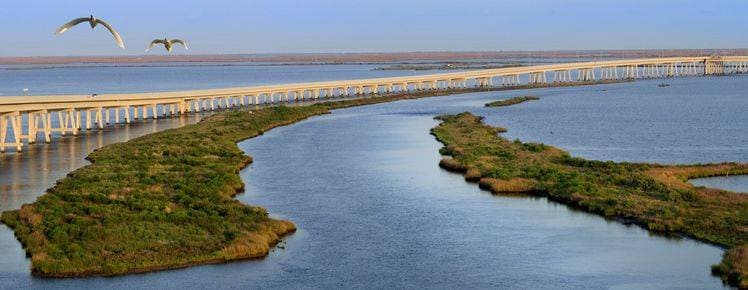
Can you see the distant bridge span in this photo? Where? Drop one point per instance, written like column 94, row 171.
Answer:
column 24, row 118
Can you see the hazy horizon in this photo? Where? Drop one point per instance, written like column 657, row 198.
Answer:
column 332, row 26
column 391, row 52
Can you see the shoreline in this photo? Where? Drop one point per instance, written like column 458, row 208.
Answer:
column 655, row 197
column 367, row 56
column 34, row 237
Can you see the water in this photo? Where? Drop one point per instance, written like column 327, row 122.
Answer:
column 733, row 183
column 374, row 210
column 24, row 176
column 695, row 120
column 88, row 79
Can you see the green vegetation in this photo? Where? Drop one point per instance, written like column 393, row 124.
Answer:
column 512, row 101
column 656, row 197
column 164, row 200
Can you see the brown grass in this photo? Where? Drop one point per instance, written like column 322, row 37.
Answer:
column 514, row 185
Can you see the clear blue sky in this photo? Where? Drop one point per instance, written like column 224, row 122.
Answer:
column 235, row 26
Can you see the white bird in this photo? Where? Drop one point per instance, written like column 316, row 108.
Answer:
column 93, row 22
column 168, row 44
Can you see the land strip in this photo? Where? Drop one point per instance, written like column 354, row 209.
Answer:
column 656, row 197
column 511, row 101
column 164, row 200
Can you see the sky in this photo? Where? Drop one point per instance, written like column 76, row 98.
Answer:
column 287, row 26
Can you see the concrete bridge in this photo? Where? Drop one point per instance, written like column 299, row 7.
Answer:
column 24, row 119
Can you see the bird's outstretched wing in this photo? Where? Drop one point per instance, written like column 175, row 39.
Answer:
column 117, row 38
column 72, row 23
column 182, row 42
column 154, row 43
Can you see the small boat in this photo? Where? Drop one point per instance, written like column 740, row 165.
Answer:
column 662, row 85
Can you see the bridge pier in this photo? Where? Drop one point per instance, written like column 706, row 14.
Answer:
column 631, row 72
column 714, row 67
column 586, row 74
column 537, row 78
column 561, row 76
column 510, row 80
column 33, row 119
column 670, row 70
column 13, row 120
column 609, row 73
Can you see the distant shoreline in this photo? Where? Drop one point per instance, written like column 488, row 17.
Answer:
column 367, row 57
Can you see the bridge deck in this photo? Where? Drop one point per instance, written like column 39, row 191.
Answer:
column 22, row 118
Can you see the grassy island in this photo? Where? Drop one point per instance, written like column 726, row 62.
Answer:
column 512, row 101
column 657, row 197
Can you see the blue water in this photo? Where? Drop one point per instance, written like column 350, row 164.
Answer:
column 374, row 210
column 733, row 183
column 88, row 79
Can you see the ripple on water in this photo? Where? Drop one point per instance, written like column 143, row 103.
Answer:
column 374, row 210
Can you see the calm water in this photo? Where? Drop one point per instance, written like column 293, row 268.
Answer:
column 734, row 183
column 374, row 210
column 87, row 79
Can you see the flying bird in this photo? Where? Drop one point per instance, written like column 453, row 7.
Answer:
column 168, row 43
column 93, row 22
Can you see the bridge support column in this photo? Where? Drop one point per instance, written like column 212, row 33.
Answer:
column 32, row 126
column 610, row 73
column 3, row 132
column 482, row 82
column 14, row 120
column 34, row 118
column 537, row 78
column 587, row 74
column 670, row 70
column 69, row 121
column 88, row 119
column 631, row 72
column 154, row 109
column 714, row 67
column 565, row 76
column 77, row 122
column 100, row 117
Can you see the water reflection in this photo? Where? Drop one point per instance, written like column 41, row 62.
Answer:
column 24, row 175
column 374, row 210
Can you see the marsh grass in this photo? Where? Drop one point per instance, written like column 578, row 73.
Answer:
column 511, row 101
column 165, row 200
column 657, row 197
column 161, row 201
